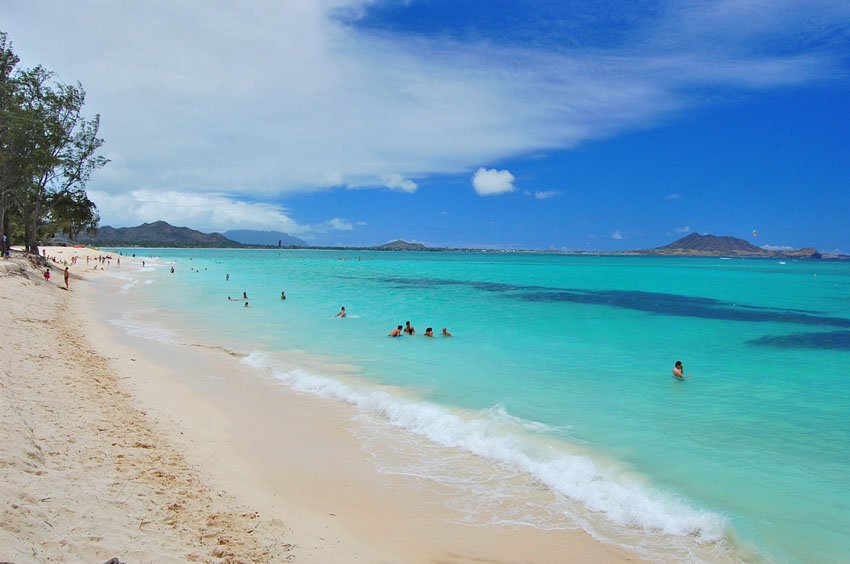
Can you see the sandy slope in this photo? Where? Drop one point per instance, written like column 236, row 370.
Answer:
column 83, row 475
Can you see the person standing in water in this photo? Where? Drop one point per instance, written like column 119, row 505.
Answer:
column 408, row 328
column 341, row 312
column 679, row 371
column 396, row 332
column 429, row 332
column 283, row 295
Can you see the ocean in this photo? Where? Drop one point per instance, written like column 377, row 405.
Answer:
column 558, row 378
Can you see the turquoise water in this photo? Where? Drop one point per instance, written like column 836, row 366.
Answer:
column 560, row 367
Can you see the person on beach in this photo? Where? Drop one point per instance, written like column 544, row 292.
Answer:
column 341, row 312
column 396, row 332
column 172, row 270
column 408, row 328
column 227, row 278
column 47, row 275
column 245, row 296
column 283, row 295
column 67, row 277
column 429, row 332
column 679, row 371
column 143, row 264
column 446, row 332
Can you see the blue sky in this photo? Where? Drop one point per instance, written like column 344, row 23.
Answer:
column 516, row 124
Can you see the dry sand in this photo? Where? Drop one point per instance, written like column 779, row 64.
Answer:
column 84, row 477
column 116, row 448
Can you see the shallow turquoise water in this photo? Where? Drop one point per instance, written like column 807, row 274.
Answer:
column 580, row 349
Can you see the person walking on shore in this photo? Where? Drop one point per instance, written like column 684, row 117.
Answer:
column 67, row 277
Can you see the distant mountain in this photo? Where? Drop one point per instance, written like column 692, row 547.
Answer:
column 156, row 234
column 713, row 244
column 254, row 237
column 400, row 245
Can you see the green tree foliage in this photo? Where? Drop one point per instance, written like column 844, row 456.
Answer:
column 49, row 151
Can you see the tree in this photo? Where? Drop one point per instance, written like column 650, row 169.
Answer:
column 50, row 149
column 73, row 212
column 8, row 61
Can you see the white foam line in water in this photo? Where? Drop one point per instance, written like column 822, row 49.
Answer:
column 145, row 330
column 623, row 501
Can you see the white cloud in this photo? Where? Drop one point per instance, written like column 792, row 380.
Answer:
column 684, row 229
column 672, row 197
column 340, row 224
column 617, row 235
column 400, row 183
column 203, row 211
column 778, row 248
column 289, row 97
column 542, row 194
column 490, row 182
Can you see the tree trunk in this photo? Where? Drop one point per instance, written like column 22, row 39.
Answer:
column 32, row 232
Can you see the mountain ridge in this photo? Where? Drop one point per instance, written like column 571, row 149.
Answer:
column 157, row 234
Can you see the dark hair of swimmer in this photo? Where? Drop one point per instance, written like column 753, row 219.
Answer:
column 399, row 326
column 678, row 364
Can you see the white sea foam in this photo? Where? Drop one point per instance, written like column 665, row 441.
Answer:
column 496, row 435
column 147, row 330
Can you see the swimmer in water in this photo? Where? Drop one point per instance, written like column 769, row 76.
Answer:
column 396, row 332
column 283, row 295
column 429, row 332
column 245, row 296
column 679, row 371
column 341, row 312
column 408, row 328
column 446, row 332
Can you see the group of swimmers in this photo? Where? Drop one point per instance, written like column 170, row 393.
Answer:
column 408, row 329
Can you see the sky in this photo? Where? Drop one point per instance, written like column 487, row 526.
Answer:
column 533, row 124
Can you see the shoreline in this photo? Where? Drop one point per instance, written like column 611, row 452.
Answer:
column 293, row 458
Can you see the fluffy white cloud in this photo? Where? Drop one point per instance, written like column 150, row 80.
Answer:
column 204, row 211
column 684, row 229
column 617, row 235
column 294, row 96
column 400, row 183
column 490, row 182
